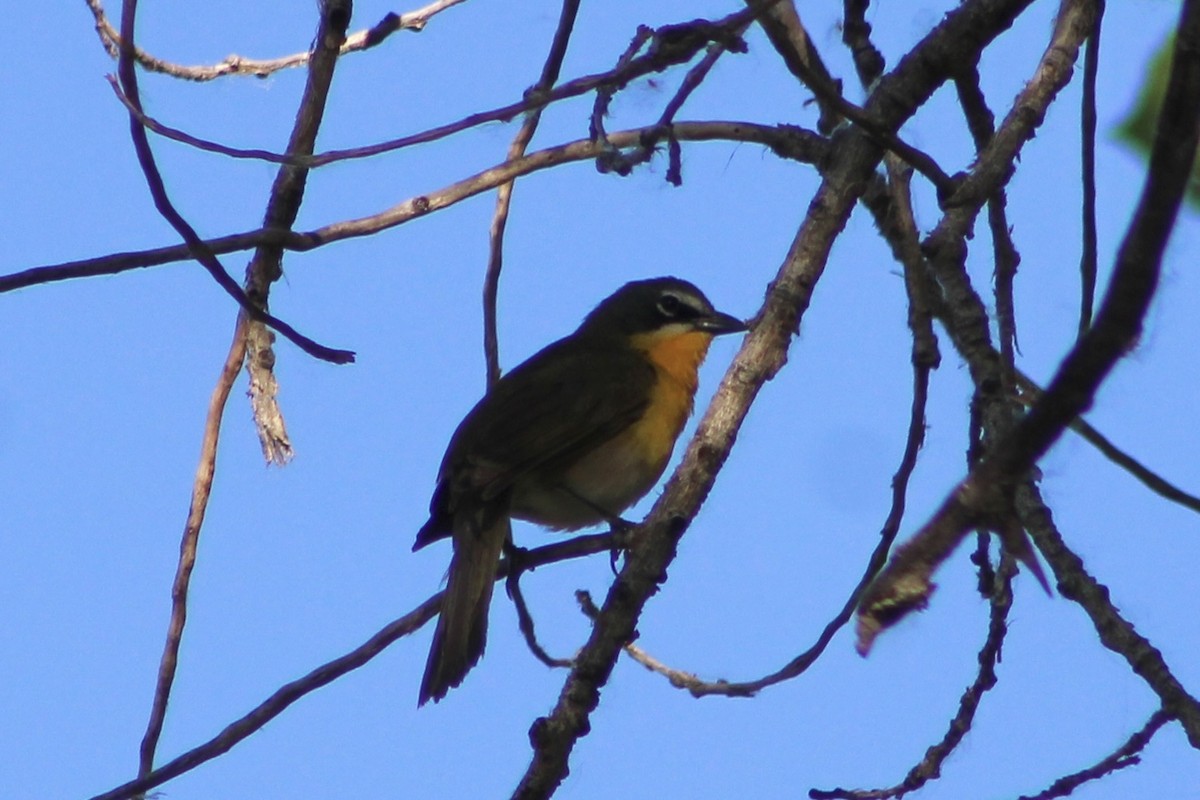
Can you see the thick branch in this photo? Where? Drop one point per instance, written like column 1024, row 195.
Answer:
column 761, row 356
column 283, row 205
column 905, row 584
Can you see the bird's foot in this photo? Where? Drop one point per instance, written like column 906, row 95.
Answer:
column 518, row 563
column 622, row 532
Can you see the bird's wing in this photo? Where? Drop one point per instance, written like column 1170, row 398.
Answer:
column 550, row 410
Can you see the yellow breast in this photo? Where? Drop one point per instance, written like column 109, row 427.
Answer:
column 676, row 358
column 619, row 472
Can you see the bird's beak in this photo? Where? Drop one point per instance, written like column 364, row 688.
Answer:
column 718, row 323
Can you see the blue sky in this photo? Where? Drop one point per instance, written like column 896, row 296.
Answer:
column 104, row 385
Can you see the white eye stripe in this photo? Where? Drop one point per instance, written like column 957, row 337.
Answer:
column 675, row 305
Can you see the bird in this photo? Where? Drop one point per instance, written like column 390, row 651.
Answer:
column 568, row 439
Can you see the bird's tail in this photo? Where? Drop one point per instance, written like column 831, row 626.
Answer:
column 461, row 632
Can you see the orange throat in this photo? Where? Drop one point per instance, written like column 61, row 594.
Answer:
column 676, row 358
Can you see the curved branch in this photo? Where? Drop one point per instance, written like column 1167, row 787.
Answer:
column 671, row 45
column 786, row 141
column 196, row 248
column 930, row 766
column 852, row 162
column 277, row 703
column 1115, row 632
column 1124, row 756
column 905, row 584
column 491, row 281
column 261, row 68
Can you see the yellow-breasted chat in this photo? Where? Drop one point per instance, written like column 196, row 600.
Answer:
column 569, row 438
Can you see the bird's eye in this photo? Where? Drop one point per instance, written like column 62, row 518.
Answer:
column 669, row 305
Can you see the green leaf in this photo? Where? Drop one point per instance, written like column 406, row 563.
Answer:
column 1137, row 129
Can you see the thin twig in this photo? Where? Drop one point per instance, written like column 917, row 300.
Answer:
column 981, row 123
column 278, row 702
column 678, row 678
column 1124, row 756
column 512, row 586
column 127, row 73
column 930, row 767
column 605, row 93
column 239, row 65
column 491, row 281
column 201, row 490
column 623, row 163
column 656, row 59
column 786, row 141
column 1087, row 123
column 1150, row 479
column 204, row 474
column 1116, row 633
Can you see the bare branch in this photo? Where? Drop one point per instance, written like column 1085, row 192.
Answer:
column 281, row 699
column 613, row 160
column 1152, row 480
column 1087, row 150
column 856, row 34
column 1116, row 633
column 786, row 32
column 762, row 355
column 247, row 332
column 1124, row 756
column 491, row 282
column 283, row 205
column 678, row 678
column 196, row 247
column 905, row 584
column 239, row 65
column 512, row 586
column 981, row 122
column 790, row 38
column 981, row 498
column 201, row 490
column 672, row 48
column 930, row 767
column 786, row 141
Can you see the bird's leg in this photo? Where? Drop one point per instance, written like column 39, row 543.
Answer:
column 620, row 529
column 518, row 562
